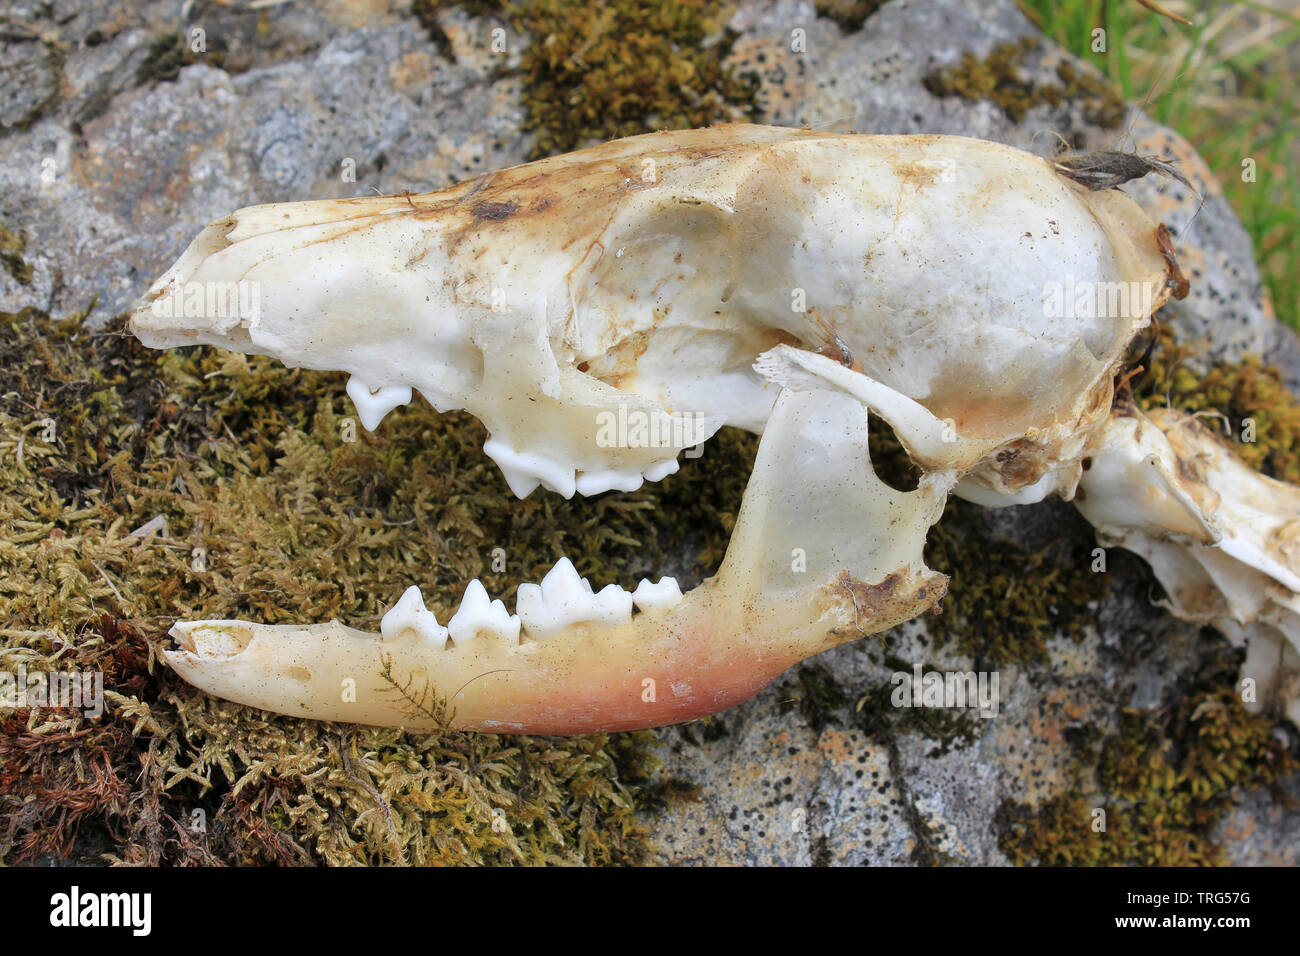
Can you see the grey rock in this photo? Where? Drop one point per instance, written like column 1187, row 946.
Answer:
column 109, row 177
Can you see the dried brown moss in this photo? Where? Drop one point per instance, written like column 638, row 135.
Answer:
column 271, row 515
column 12, row 245
column 1244, row 399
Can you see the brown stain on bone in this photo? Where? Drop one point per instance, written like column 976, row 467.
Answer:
column 494, row 211
column 901, row 596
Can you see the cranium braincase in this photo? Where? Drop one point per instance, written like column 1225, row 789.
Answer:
column 642, row 278
column 601, row 310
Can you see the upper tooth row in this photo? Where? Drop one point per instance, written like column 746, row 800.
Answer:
column 524, row 472
column 546, row 610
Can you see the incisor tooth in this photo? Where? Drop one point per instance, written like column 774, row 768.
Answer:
column 480, row 615
column 657, row 598
column 373, row 404
column 563, row 598
column 410, row 614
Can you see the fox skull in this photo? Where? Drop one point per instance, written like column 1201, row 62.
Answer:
column 603, row 310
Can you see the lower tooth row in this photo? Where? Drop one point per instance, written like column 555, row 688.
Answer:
column 545, row 610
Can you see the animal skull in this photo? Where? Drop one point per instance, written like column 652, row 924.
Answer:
column 603, row 310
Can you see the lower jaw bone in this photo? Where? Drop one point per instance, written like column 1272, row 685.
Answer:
column 797, row 580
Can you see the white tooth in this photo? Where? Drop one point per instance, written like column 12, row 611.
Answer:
column 662, row 470
column 562, row 583
column 657, row 598
column 521, row 483
column 409, row 614
column 374, row 403
column 552, row 475
column 479, row 615
column 595, row 482
column 612, row 606
column 563, row 598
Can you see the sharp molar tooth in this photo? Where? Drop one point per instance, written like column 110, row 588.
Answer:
column 662, row 470
column 410, row 614
column 562, row 583
column 657, row 598
column 373, row 404
column 563, row 598
column 479, row 615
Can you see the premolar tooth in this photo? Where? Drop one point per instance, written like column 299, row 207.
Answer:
column 595, row 482
column 373, row 404
column 410, row 614
column 662, row 470
column 480, row 615
column 563, row 598
column 657, row 598
column 612, row 605
column 525, row 471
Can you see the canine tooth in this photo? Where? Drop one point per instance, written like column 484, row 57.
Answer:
column 523, row 472
column 563, row 598
column 480, row 615
column 595, row 482
column 662, row 470
column 657, row 598
column 410, row 614
column 374, row 403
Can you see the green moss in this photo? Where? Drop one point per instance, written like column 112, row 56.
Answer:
column 12, row 246
column 1230, row 394
column 169, row 53
column 997, row 78
column 1005, row 600
column 599, row 71
column 248, row 461
column 849, row 14
column 822, row 701
column 1165, row 779
column 946, row 728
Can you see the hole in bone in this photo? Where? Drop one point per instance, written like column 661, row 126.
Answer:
column 888, row 459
